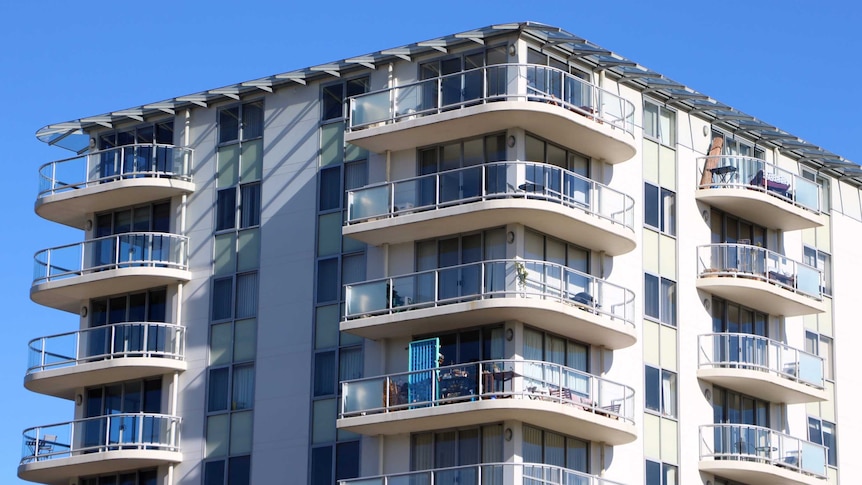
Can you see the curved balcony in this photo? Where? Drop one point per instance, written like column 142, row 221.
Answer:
column 759, row 192
column 543, row 100
column 548, row 198
column 488, row 473
column 67, row 275
column 759, row 278
column 60, row 364
column 55, row 453
column 761, row 367
column 546, row 295
column 753, row 454
column 544, row 394
column 72, row 188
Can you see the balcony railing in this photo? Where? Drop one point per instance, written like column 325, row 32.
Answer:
column 503, row 278
column 747, row 261
column 503, row 82
column 125, row 162
column 116, row 341
column 126, row 431
column 729, row 171
column 745, row 351
column 499, row 180
column 133, row 249
column 749, row 443
column 487, row 474
column 492, row 379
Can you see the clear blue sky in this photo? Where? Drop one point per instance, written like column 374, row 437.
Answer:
column 786, row 62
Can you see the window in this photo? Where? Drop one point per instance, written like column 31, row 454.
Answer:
column 823, row 433
column 335, row 96
column 659, row 124
column 825, row 193
column 444, row 449
column 822, row 261
column 737, row 146
column 548, row 447
column 661, row 391
column 820, row 345
column 660, row 209
column 661, row 473
column 660, row 299
column 141, row 477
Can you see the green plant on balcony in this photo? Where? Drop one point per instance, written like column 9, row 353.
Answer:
column 521, row 272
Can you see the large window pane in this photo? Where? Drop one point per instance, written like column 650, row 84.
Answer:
column 220, row 343
column 217, row 435
column 321, row 466
column 252, row 120
column 218, row 389
column 347, row 460
column 239, row 470
column 245, row 340
column 226, row 209
column 652, row 387
column 222, row 298
column 327, row 279
column 330, row 189
column 324, row 373
column 250, row 206
column 240, row 432
column 246, row 295
column 242, row 395
column 228, row 124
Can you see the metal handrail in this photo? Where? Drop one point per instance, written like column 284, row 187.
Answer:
column 751, row 443
column 495, row 278
column 529, row 473
column 500, row 82
column 122, row 431
column 131, row 249
column 755, row 262
column 734, row 171
column 114, row 341
column 495, row 180
column 489, row 379
column 140, row 160
column 747, row 351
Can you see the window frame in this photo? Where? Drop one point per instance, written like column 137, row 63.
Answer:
column 659, row 136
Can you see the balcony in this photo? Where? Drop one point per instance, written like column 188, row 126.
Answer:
column 56, row 453
column 546, row 101
column 60, row 364
column 761, row 367
column 67, row 275
column 488, row 474
column 759, row 278
column 548, row 198
column 759, row 192
column 753, row 454
column 71, row 189
column 540, row 393
column 546, row 295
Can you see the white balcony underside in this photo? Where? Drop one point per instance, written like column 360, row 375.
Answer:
column 562, row 126
column 761, row 473
column 571, row 224
column 74, row 207
column 59, row 471
column 563, row 418
column 68, row 293
column 64, row 382
column 760, row 295
column 565, row 319
column 760, row 207
column 762, row 384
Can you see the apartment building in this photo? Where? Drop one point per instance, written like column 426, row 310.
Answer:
column 504, row 256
